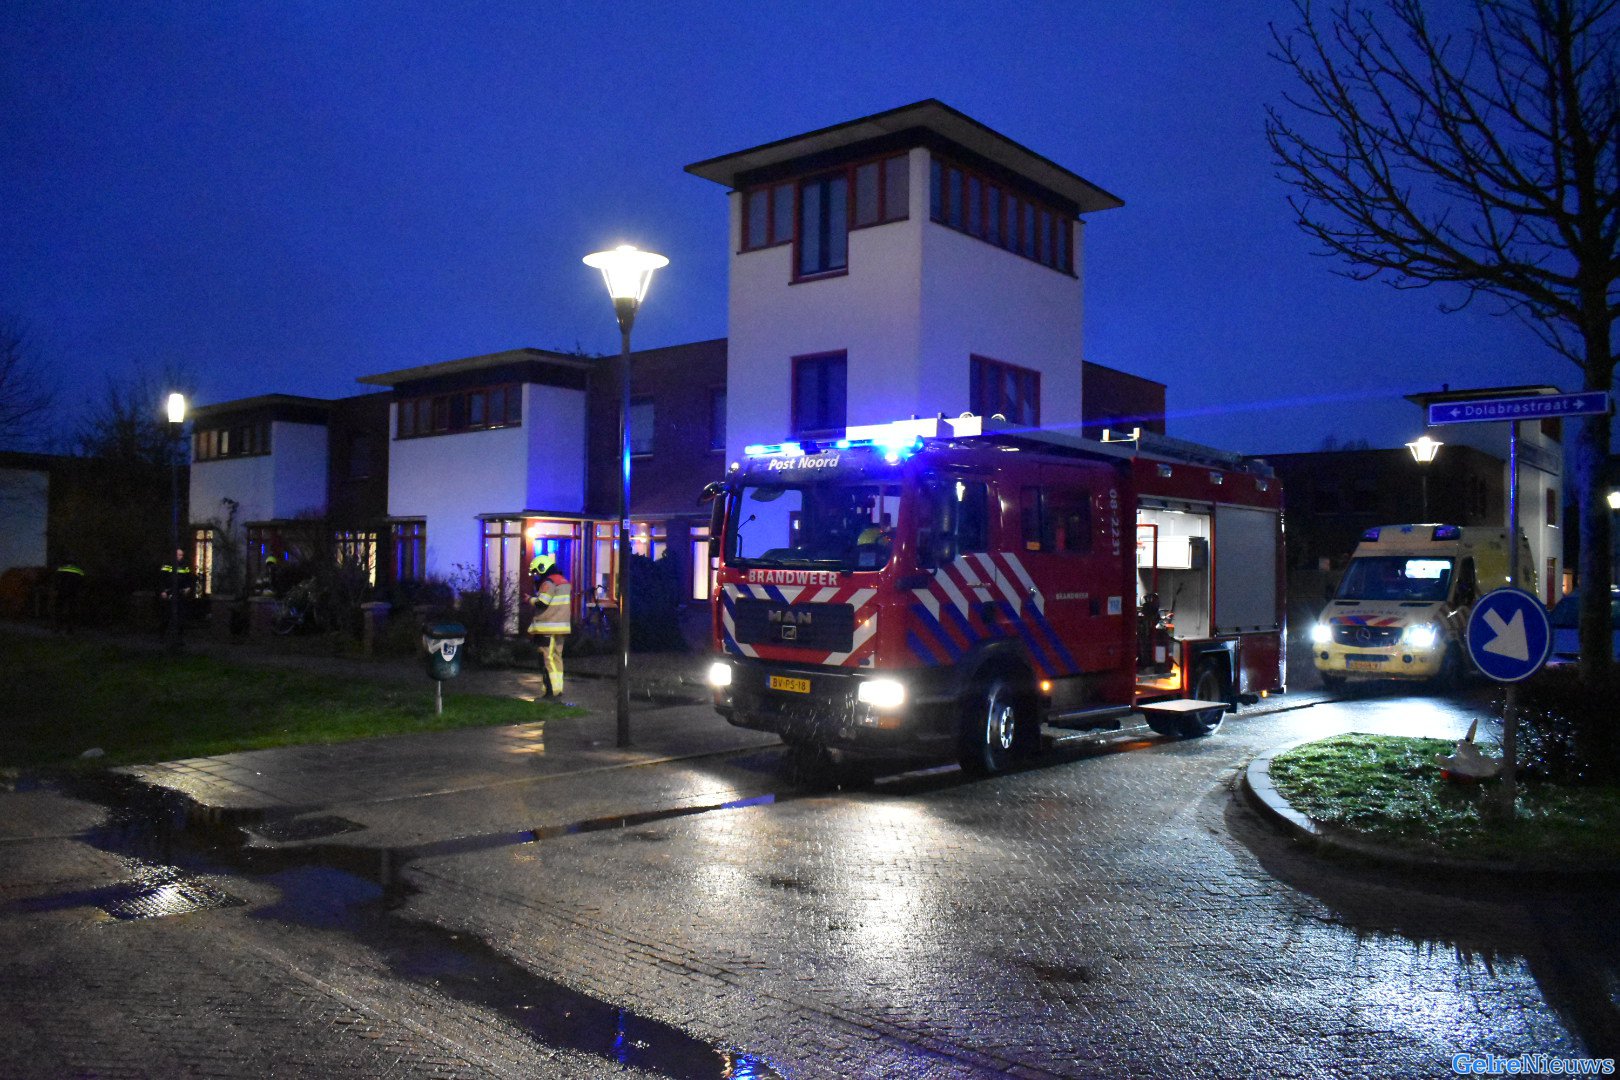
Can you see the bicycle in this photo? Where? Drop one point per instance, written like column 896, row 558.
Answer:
column 299, row 611
column 597, row 628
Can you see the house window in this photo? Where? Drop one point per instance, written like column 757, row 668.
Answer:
column 828, row 206
column 1011, row 391
column 702, row 570
column 717, row 418
column 503, row 557
column 819, row 393
column 359, row 457
column 357, row 552
column 768, row 216
column 823, row 225
column 463, row 410
column 409, row 540
column 202, row 559
column 1552, row 508
column 992, row 211
column 641, row 426
column 249, row 439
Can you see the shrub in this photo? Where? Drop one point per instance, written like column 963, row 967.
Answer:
column 655, row 602
column 1567, row 729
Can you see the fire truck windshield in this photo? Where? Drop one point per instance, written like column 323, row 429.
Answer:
column 826, row 525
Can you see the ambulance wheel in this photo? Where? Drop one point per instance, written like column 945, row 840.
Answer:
column 1450, row 677
column 996, row 730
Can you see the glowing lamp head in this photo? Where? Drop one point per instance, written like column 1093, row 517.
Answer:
column 177, row 408
column 1424, row 449
column 627, row 270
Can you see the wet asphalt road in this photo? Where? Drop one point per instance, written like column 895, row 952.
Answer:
column 1114, row 911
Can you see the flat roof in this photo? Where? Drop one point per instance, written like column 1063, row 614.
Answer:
column 931, row 116
column 259, row 402
column 1448, row 394
column 475, row 363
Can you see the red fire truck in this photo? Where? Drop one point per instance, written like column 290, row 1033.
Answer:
column 958, row 584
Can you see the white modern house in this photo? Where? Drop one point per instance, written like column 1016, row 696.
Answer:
column 25, row 491
column 481, row 450
column 914, row 262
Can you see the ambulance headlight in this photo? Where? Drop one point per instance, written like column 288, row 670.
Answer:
column 1422, row 636
column 882, row 694
column 719, row 674
column 1321, row 634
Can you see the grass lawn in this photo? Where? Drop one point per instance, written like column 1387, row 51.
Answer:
column 1388, row 788
column 64, row 697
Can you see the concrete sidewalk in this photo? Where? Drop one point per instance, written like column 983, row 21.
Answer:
column 671, row 719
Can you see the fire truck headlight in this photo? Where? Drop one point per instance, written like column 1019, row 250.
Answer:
column 719, row 674
column 1321, row 634
column 882, row 694
column 1422, row 636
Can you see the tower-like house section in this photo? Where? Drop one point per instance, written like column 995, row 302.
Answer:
column 914, row 262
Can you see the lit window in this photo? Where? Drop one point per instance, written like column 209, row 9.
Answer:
column 819, row 393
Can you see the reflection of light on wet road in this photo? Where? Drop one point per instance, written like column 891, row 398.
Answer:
column 1414, row 715
column 526, row 738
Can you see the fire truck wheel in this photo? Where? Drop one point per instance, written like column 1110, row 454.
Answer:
column 996, row 729
column 1209, row 684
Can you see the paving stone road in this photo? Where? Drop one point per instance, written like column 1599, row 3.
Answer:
column 1115, row 911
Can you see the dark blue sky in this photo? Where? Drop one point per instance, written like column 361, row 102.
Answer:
column 284, row 197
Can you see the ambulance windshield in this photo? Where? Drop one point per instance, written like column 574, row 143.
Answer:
column 1396, row 577
column 821, row 526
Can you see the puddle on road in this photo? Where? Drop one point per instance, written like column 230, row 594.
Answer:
column 355, row 891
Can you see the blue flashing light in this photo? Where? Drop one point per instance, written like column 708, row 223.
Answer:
column 1371, row 535
column 786, row 449
column 1447, row 532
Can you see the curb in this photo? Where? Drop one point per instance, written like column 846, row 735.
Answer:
column 1264, row 797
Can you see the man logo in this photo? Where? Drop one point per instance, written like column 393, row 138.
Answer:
column 790, row 632
column 789, row 618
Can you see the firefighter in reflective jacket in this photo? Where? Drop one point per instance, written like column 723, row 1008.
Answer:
column 552, row 619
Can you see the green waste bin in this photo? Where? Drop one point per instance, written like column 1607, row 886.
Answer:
column 444, row 643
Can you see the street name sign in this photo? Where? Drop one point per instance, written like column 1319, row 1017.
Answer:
column 1525, row 407
column 1509, row 635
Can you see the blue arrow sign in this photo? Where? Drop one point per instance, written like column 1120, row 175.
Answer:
column 1527, row 407
column 1509, row 635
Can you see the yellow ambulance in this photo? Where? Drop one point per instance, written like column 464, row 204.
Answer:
column 1402, row 608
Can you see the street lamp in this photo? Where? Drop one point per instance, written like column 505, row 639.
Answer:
column 627, row 272
column 1423, row 451
column 177, row 426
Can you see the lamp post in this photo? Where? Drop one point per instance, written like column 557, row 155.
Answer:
column 627, row 272
column 177, row 426
column 1423, row 451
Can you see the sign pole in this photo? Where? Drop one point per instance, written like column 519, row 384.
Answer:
column 1510, row 699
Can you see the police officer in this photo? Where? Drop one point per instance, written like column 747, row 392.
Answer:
column 552, row 618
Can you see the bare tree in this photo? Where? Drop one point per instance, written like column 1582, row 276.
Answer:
column 25, row 399
column 127, row 422
column 1487, row 160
